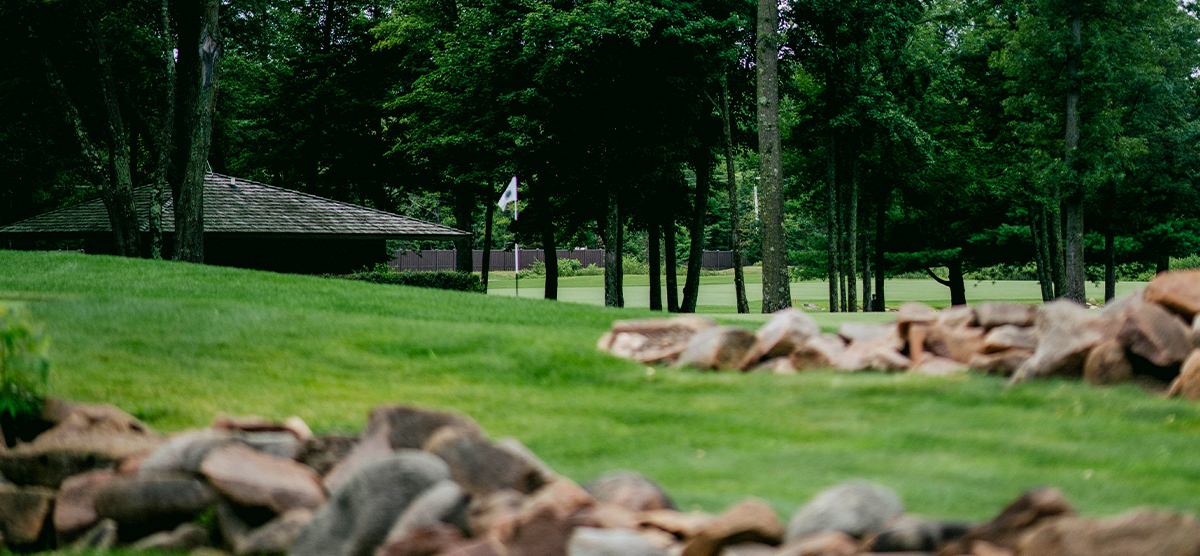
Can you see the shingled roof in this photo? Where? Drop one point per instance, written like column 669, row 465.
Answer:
column 238, row 206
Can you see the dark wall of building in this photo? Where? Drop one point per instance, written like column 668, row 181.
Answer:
column 301, row 256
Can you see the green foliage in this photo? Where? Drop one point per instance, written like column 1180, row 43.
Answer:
column 24, row 363
column 441, row 280
column 1185, row 263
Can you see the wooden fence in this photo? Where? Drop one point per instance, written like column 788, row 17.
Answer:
column 445, row 259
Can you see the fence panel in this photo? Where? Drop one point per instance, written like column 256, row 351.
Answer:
column 446, row 259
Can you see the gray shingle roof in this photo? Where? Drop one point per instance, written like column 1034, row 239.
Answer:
column 235, row 205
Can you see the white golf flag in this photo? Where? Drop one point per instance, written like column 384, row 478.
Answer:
column 509, row 196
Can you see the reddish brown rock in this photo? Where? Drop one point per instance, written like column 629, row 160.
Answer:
column 1154, row 333
column 23, row 513
column 918, row 333
column 679, row 524
column 74, row 508
column 1007, row 337
column 1106, row 364
column 1187, row 384
column 631, row 491
column 993, row 314
column 183, row 538
column 390, row 428
column 959, row 343
column 90, row 418
column 494, row 514
column 956, row 317
column 932, row 365
column 324, row 452
column 717, row 348
column 825, row 543
column 1066, row 333
column 479, row 466
column 1178, row 291
column 252, row 478
column 653, row 340
column 606, row 516
column 253, row 423
column 1007, row 529
column 819, row 352
column 776, row 365
column 914, row 312
column 879, row 355
column 1003, row 363
column 482, row 547
column 562, row 496
column 787, row 330
column 1140, row 532
column 542, row 531
column 430, row 540
column 749, row 521
column 884, row 334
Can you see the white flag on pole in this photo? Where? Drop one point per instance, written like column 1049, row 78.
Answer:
column 509, row 196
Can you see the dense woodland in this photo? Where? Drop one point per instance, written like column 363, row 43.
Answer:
column 938, row 136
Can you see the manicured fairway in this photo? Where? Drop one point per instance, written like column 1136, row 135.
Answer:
column 177, row 343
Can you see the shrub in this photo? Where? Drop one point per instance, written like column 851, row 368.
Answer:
column 1185, row 263
column 441, row 280
column 24, row 364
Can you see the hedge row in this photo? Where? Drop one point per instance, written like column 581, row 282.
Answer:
column 442, row 280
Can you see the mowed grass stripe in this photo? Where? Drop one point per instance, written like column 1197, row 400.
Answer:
column 177, row 343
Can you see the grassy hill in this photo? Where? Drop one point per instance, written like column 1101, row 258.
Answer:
column 177, row 343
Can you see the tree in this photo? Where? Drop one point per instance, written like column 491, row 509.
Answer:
column 776, row 286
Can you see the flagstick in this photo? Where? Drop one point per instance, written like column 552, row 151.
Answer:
column 517, row 265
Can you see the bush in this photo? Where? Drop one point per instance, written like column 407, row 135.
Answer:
column 1185, row 263
column 441, row 280
column 24, row 365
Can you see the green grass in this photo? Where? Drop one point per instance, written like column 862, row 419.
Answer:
column 177, row 343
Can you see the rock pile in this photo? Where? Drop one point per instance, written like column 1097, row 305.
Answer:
column 427, row 483
column 1152, row 337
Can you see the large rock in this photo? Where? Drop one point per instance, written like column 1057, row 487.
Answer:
column 1155, row 334
column 631, row 491
column 749, row 521
column 787, row 330
column 913, row 312
column 1106, row 363
column 722, row 347
column 153, row 500
column 1007, row 337
column 884, row 333
column 1140, row 532
column 653, row 340
column 879, row 354
column 1187, row 384
column 590, row 541
column 253, row 478
column 442, row 503
column 363, row 509
column 184, row 538
column 679, row 524
column 494, row 513
column 1066, row 333
column 994, row 313
column 183, row 452
column 827, row 543
column 391, row 428
column 932, row 365
column 910, row 534
column 956, row 317
column 23, row 513
column 824, row 351
column 542, row 529
column 99, row 539
column 1007, row 529
column 430, row 540
column 857, row 508
column 49, row 469
column 1178, row 291
column 74, row 508
column 1003, row 363
column 960, row 343
column 479, row 466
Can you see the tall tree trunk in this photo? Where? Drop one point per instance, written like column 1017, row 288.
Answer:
column 881, row 201
column 1041, row 245
column 485, row 264
column 1110, row 266
column 867, row 302
column 671, row 266
column 954, row 281
column 550, row 247
column 691, row 285
column 164, row 139
column 655, row 266
column 735, row 211
column 1073, row 202
column 620, row 261
column 189, row 201
column 776, row 289
column 1057, row 259
column 464, row 219
column 612, row 254
column 852, row 237
column 832, row 217
column 1163, row 264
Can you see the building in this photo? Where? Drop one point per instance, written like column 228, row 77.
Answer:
column 249, row 225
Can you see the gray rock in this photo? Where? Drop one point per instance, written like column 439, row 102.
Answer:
column 98, row 539
column 140, row 500
column 275, row 536
column 631, row 491
column 481, row 468
column 23, row 513
column 442, row 502
column 282, row 444
column 50, row 469
column 324, row 452
column 857, row 508
column 591, row 541
column 184, row 452
column 722, row 347
column 362, row 510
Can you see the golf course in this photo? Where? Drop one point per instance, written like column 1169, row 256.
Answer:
column 176, row 344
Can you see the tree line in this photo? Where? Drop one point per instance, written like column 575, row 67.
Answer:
column 878, row 137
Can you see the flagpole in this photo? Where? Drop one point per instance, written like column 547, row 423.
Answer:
column 517, row 265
